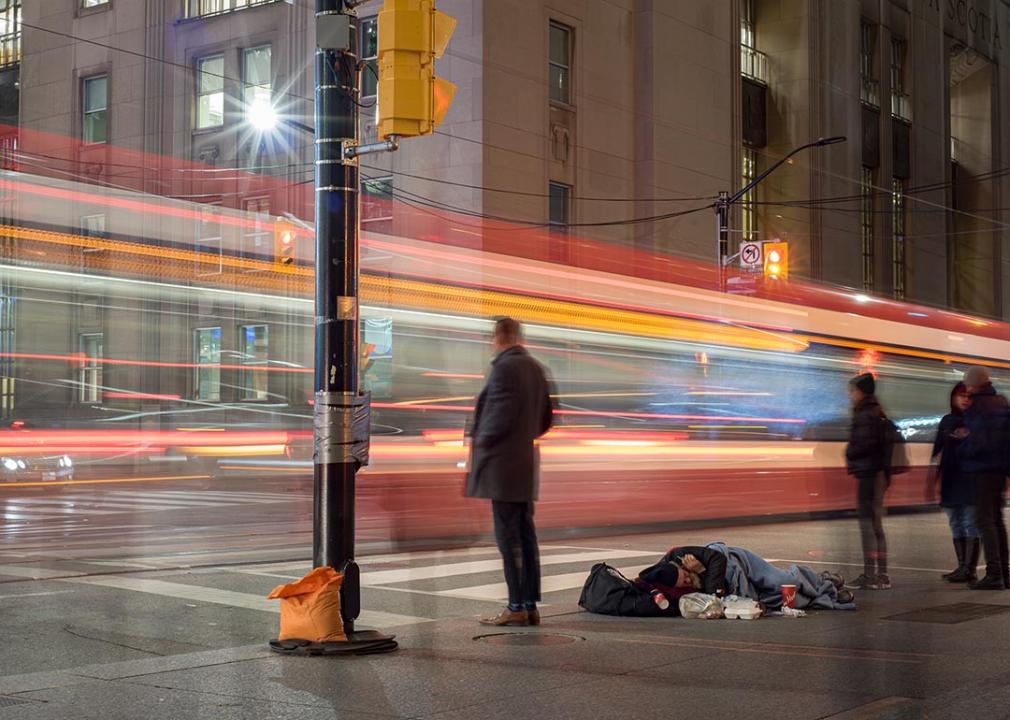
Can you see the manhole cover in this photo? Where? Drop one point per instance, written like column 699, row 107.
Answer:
column 951, row 614
column 529, row 639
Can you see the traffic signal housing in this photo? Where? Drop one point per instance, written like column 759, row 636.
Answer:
column 412, row 100
column 284, row 244
column 776, row 260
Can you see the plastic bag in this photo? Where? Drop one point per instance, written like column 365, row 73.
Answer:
column 699, row 606
column 310, row 607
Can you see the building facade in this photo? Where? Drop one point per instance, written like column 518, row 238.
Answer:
column 574, row 113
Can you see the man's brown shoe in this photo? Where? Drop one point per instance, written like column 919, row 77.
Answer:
column 533, row 616
column 507, row 617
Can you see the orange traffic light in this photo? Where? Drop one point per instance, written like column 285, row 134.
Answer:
column 776, row 262
column 284, row 243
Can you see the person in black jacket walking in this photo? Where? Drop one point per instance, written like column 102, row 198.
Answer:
column 957, row 496
column 983, row 457
column 513, row 410
column 864, row 458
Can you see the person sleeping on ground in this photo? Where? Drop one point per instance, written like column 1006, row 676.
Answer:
column 713, row 569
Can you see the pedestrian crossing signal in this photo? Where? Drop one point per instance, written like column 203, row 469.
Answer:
column 284, row 244
column 776, row 260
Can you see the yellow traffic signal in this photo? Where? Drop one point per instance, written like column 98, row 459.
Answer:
column 776, row 260
column 411, row 34
column 284, row 243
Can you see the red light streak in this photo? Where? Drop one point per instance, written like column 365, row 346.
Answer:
column 459, row 376
column 564, row 433
column 139, row 396
column 126, row 204
column 91, row 442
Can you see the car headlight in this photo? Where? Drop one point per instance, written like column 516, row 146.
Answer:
column 10, row 463
column 67, row 462
column 21, row 464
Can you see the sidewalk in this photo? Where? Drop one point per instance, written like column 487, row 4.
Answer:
column 906, row 653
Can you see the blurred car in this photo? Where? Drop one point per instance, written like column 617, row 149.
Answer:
column 41, row 468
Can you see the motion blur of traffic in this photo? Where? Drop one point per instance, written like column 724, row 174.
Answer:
column 147, row 336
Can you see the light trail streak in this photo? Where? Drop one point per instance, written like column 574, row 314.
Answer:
column 104, row 481
column 600, row 413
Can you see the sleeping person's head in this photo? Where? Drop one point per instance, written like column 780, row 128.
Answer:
column 686, row 578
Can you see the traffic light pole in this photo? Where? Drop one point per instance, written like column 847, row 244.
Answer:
column 721, row 237
column 725, row 200
column 340, row 415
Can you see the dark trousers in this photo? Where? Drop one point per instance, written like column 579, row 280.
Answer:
column 990, row 497
column 871, row 522
column 517, row 541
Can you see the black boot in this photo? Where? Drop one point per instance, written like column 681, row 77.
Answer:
column 974, row 549
column 993, row 579
column 956, row 575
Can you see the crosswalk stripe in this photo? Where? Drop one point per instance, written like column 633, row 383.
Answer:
column 211, row 495
column 499, row 591
column 429, row 572
column 153, row 504
column 199, row 593
column 35, row 573
column 9, row 511
column 30, row 517
column 167, row 502
column 198, row 498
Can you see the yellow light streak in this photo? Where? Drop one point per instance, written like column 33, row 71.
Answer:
column 234, row 450
column 104, row 481
column 432, row 401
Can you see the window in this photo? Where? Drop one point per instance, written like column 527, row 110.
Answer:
column 94, row 3
column 210, row 92
column 256, row 237
column 869, row 91
column 560, row 65
column 867, row 205
column 257, row 88
column 377, row 204
column 207, row 343
column 254, row 357
column 560, row 200
column 208, row 239
column 753, row 64
column 96, row 109
column 898, row 236
column 559, row 249
column 200, row 8
column 901, row 104
column 93, row 225
column 92, row 351
column 748, row 212
column 370, row 57
column 10, row 32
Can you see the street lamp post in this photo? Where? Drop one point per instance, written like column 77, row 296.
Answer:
column 725, row 202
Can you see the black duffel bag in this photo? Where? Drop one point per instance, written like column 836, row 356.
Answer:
column 608, row 592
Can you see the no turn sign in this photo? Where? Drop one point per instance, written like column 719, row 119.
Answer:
column 751, row 254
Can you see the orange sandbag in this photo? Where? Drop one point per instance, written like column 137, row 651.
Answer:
column 310, row 607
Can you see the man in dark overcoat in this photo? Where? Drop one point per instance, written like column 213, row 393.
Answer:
column 513, row 410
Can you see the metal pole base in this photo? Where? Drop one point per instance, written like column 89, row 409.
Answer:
column 359, row 642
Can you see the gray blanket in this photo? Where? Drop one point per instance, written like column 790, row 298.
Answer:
column 749, row 575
